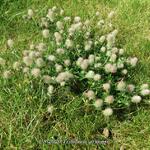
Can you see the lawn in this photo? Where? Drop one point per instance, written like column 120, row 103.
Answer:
column 24, row 121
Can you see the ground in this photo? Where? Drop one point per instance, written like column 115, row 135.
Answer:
column 24, row 122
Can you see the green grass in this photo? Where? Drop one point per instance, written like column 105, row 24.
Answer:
column 24, row 122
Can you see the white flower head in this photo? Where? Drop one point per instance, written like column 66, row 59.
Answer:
column 64, row 76
column 91, row 59
column 90, row 74
column 58, row 37
column 97, row 65
column 60, row 51
column 30, row 13
column 121, row 51
column 90, row 94
column 51, row 15
column 69, row 43
column 77, row 19
column 106, row 86
column 110, row 68
column 67, row 62
column 79, row 61
column 58, row 67
column 124, row 71
column 45, row 33
column 98, row 103
column 27, row 60
column 41, row 47
column 16, row 65
column 40, row 62
column 26, row 70
column 103, row 49
column 88, row 45
column 107, row 112
column 50, row 89
column 10, row 43
column 120, row 65
column 84, row 65
column 111, row 14
column 97, row 13
column 7, row 74
column 133, row 61
column 136, row 99
column 130, row 87
column 109, row 99
column 50, row 109
column 51, row 58
column 121, row 86
column 35, row 72
column 145, row 92
column 47, row 79
column 113, row 57
column 102, row 39
column 67, row 18
column 2, row 61
column 54, row 8
column 61, row 12
column 62, row 83
column 59, row 25
column 114, row 50
column 32, row 46
column 144, row 86
column 97, row 77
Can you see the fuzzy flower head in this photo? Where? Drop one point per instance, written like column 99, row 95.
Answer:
column 27, row 60
column 51, row 15
column 84, row 65
column 58, row 37
column 67, row 62
column 7, row 74
column 69, row 43
column 77, row 19
column 30, row 13
column 97, row 77
column 98, row 103
column 35, row 72
column 64, row 76
column 47, row 79
column 51, row 58
column 106, row 86
column 109, row 99
column 144, row 86
column 40, row 62
column 41, row 47
column 58, row 67
column 59, row 25
column 50, row 89
column 121, row 86
column 45, row 33
column 90, row 94
column 107, row 112
column 136, row 99
column 10, row 43
column 2, row 61
column 133, row 61
column 145, row 92
column 130, row 88
column 50, row 109
column 16, row 65
column 110, row 68
column 90, row 74
column 60, row 51
column 111, row 14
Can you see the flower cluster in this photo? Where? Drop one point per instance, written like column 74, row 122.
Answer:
column 71, row 50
